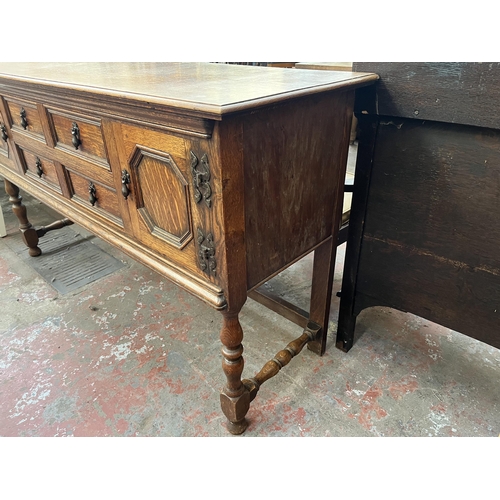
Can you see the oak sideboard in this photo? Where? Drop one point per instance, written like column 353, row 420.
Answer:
column 216, row 176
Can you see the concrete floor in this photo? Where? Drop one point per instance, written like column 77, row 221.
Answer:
column 133, row 355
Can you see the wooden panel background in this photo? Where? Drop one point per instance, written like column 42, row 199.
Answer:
column 425, row 219
column 465, row 93
column 432, row 233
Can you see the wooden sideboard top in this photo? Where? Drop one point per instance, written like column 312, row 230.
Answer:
column 331, row 66
column 207, row 88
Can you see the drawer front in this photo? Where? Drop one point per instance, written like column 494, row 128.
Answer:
column 25, row 117
column 94, row 196
column 80, row 135
column 6, row 156
column 80, row 172
column 40, row 169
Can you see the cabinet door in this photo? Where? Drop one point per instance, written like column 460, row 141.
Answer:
column 157, row 183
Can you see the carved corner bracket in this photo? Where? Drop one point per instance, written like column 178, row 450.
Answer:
column 201, row 179
column 206, row 253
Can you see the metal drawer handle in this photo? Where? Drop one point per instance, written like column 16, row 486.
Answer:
column 24, row 121
column 92, row 194
column 39, row 169
column 125, row 183
column 75, row 132
column 4, row 132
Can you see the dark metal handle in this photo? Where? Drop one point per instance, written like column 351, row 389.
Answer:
column 125, row 183
column 4, row 132
column 92, row 193
column 75, row 132
column 39, row 169
column 24, row 121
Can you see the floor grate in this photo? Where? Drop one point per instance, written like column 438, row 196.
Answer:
column 69, row 261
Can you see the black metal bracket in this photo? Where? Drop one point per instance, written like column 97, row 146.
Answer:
column 206, row 253
column 201, row 179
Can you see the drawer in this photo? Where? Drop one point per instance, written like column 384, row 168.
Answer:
column 25, row 117
column 40, row 169
column 6, row 157
column 94, row 196
column 81, row 135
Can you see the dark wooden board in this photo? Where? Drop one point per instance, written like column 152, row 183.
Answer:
column 436, row 187
column 453, row 92
column 425, row 225
column 431, row 235
column 454, row 295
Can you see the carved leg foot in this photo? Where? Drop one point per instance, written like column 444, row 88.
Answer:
column 29, row 233
column 235, row 410
column 235, row 398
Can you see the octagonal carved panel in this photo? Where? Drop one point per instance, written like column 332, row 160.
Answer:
column 162, row 196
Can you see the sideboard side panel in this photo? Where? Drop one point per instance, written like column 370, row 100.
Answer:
column 295, row 158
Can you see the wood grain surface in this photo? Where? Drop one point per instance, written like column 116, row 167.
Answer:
column 463, row 92
column 211, row 88
column 425, row 216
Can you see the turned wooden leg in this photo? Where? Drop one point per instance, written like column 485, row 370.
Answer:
column 235, row 398
column 29, row 233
